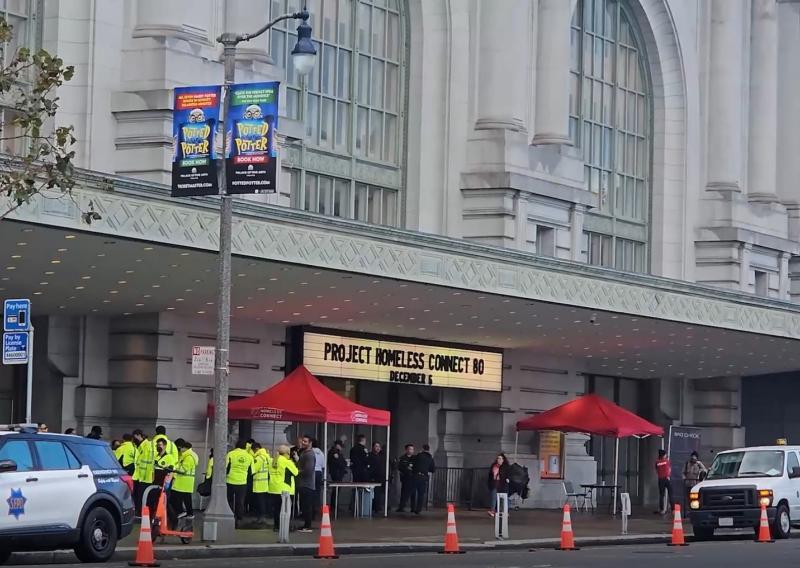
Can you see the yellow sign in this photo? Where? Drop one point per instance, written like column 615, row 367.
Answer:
column 551, row 455
column 412, row 364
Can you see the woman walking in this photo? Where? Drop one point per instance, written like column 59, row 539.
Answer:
column 498, row 480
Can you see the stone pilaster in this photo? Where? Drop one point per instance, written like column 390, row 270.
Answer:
column 552, row 72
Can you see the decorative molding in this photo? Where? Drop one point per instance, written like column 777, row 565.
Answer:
column 138, row 210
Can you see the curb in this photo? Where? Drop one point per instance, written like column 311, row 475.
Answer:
column 166, row 553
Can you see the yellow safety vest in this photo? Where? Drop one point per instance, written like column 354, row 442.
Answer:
column 171, row 448
column 144, row 463
column 210, row 468
column 166, row 461
column 126, row 453
column 282, row 472
column 261, row 465
column 184, row 472
column 238, row 466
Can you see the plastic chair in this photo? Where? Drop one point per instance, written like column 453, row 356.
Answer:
column 570, row 493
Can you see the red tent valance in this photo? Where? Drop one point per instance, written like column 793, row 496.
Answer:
column 592, row 414
column 300, row 397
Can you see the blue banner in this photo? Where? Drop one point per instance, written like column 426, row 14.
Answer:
column 250, row 157
column 195, row 121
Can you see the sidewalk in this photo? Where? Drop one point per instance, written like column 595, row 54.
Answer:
column 408, row 532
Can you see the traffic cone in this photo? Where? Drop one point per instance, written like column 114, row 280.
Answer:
column 144, row 551
column 325, row 536
column 567, row 537
column 677, row 529
column 763, row 527
column 451, row 536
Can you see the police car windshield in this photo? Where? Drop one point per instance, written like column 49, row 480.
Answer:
column 756, row 463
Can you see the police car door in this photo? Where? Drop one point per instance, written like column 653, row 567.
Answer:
column 21, row 500
column 62, row 480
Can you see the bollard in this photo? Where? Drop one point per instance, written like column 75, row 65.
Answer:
column 501, row 518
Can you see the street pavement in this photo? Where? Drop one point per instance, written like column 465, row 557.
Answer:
column 731, row 554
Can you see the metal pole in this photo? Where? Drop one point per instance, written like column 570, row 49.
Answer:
column 386, row 487
column 325, row 466
column 29, row 390
column 219, row 523
column 516, row 443
column 616, row 478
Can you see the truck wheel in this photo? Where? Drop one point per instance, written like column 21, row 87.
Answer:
column 782, row 525
column 98, row 536
column 703, row 533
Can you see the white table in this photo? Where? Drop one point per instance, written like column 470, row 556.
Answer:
column 359, row 485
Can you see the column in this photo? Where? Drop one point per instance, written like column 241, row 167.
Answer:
column 724, row 143
column 789, row 125
column 503, row 64
column 552, row 72
column 763, row 143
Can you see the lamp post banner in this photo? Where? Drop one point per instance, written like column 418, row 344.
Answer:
column 195, row 120
column 251, row 159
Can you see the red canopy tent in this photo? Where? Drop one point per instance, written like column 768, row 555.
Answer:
column 301, row 397
column 592, row 414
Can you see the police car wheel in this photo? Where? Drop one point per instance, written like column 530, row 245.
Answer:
column 98, row 536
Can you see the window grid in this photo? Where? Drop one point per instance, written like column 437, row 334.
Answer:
column 609, row 116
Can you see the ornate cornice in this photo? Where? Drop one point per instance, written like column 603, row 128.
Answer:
column 143, row 211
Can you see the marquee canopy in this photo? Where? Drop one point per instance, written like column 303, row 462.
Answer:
column 300, row 397
column 592, row 414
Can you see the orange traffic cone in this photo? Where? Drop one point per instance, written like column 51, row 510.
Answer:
column 763, row 527
column 325, row 536
column 677, row 529
column 567, row 537
column 451, row 536
column 144, row 551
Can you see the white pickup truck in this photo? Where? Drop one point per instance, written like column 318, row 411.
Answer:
column 739, row 482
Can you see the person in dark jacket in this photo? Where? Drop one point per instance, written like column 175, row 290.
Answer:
column 498, row 480
column 359, row 462
column 337, row 467
column 424, row 466
column 306, row 482
column 405, row 468
column 377, row 474
column 96, row 433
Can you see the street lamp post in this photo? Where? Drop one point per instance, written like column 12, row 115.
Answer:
column 218, row 522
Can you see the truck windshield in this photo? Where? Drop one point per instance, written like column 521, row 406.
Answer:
column 756, row 463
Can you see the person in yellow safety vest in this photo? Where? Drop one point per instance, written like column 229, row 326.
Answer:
column 161, row 434
column 126, row 454
column 210, row 466
column 180, row 497
column 282, row 472
column 144, row 468
column 261, row 463
column 165, row 464
column 238, row 464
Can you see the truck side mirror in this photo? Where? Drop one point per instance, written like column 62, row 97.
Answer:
column 795, row 473
column 7, row 465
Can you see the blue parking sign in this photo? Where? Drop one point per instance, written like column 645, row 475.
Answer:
column 16, row 315
column 15, row 348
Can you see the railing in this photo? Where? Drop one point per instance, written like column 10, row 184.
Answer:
column 457, row 485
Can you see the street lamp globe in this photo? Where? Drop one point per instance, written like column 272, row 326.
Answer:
column 304, row 54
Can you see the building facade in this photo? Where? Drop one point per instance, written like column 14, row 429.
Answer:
column 604, row 190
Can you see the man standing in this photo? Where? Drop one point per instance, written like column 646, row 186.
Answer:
column 306, row 482
column 319, row 476
column 663, row 471
column 405, row 467
column 423, row 466
column 180, row 494
column 261, row 463
column 126, row 454
column 144, row 468
column 377, row 474
column 171, row 449
column 359, row 464
column 96, row 433
column 692, row 472
column 238, row 465
column 337, row 466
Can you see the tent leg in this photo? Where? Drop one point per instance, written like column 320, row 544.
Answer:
column 274, row 425
column 205, row 441
column 386, row 487
column 516, row 443
column 616, row 478
column 324, row 472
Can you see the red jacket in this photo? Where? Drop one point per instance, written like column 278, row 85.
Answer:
column 663, row 468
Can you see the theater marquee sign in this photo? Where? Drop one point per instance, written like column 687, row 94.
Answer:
column 398, row 362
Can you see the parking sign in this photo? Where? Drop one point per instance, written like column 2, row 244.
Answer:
column 16, row 315
column 15, row 348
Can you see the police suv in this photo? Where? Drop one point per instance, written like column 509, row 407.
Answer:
column 61, row 491
column 739, row 482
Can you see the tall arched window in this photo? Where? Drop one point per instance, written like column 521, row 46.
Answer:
column 351, row 106
column 610, row 121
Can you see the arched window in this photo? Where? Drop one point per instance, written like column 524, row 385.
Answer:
column 610, row 121
column 351, row 107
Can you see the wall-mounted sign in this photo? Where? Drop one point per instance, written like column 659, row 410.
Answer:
column 551, row 455
column 410, row 363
